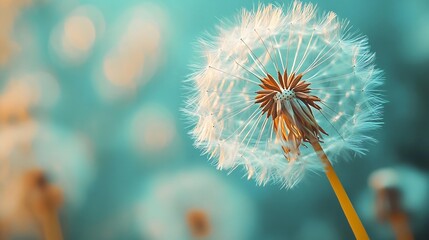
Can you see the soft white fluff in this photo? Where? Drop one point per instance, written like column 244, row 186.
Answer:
column 229, row 126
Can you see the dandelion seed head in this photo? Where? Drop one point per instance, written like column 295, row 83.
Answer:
column 29, row 145
column 409, row 185
column 272, row 80
column 195, row 204
column 24, row 199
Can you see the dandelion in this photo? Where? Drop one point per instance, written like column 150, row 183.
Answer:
column 274, row 89
column 69, row 165
column 395, row 205
column 30, row 206
column 194, row 204
column 388, row 203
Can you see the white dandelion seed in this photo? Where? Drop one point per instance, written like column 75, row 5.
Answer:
column 273, row 82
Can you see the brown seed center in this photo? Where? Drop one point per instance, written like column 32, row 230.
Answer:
column 198, row 223
column 287, row 100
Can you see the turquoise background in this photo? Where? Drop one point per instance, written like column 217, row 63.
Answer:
column 397, row 30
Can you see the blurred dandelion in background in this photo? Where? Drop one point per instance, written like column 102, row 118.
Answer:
column 396, row 204
column 195, row 204
column 275, row 81
column 22, row 95
column 26, row 141
column 29, row 207
column 69, row 164
column 41, row 166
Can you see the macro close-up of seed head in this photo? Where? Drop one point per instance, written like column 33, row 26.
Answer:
column 214, row 120
column 276, row 79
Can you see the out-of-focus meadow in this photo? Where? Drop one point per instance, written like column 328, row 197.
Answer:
column 91, row 128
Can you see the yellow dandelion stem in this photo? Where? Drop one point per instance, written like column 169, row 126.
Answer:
column 351, row 215
column 50, row 225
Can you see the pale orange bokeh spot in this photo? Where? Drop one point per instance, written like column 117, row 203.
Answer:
column 15, row 102
column 79, row 34
column 122, row 69
column 135, row 57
